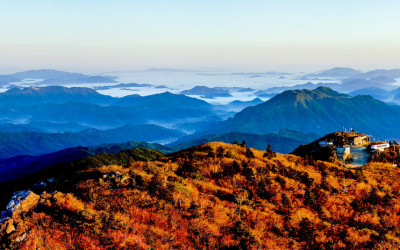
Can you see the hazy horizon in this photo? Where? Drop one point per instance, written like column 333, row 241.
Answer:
column 259, row 69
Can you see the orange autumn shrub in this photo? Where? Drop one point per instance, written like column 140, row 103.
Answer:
column 217, row 195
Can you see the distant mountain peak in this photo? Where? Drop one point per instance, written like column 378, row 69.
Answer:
column 330, row 92
column 336, row 72
column 52, row 94
column 318, row 111
column 52, row 77
column 46, row 74
column 303, row 95
column 207, row 92
column 167, row 93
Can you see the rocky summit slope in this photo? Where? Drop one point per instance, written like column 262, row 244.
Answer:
column 215, row 195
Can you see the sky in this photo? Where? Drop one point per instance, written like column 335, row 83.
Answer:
column 100, row 35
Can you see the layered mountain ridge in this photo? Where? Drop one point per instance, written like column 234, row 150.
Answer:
column 317, row 111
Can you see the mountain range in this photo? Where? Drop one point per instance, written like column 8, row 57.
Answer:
column 52, row 94
column 207, row 92
column 88, row 79
column 284, row 141
column 79, row 169
column 317, row 111
column 19, row 166
column 237, row 105
column 338, row 72
column 210, row 93
column 341, row 72
column 53, row 77
column 15, row 167
column 125, row 85
column 311, row 111
column 392, row 96
column 86, row 107
column 41, row 127
column 32, row 143
column 347, row 85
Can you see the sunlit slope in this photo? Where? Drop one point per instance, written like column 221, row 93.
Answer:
column 215, row 195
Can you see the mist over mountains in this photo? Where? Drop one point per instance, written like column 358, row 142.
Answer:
column 33, row 143
column 51, row 76
column 265, row 86
column 52, row 94
column 62, row 138
column 199, row 125
column 44, row 119
column 337, row 72
column 87, row 107
column 341, row 72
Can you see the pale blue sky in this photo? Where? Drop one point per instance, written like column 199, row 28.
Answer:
column 128, row 35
